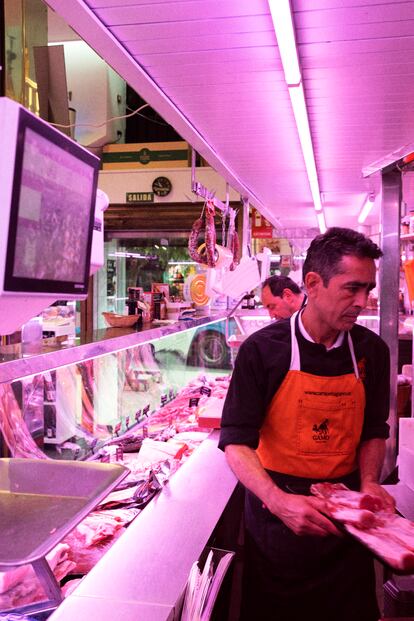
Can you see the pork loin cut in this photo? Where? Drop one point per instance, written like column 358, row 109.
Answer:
column 390, row 550
column 340, row 495
column 360, row 518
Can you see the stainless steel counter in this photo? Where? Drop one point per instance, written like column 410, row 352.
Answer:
column 142, row 577
column 13, row 365
column 404, row 498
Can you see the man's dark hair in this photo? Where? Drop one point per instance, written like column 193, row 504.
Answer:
column 327, row 250
column 278, row 283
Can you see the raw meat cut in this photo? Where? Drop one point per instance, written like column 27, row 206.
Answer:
column 389, row 536
column 340, row 495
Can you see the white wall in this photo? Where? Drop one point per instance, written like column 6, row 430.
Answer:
column 94, row 88
column 116, row 183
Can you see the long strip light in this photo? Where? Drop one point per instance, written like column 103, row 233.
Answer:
column 297, row 98
column 366, row 209
column 132, row 255
column 320, row 216
column 285, row 34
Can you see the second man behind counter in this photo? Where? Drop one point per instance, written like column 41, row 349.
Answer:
column 282, row 297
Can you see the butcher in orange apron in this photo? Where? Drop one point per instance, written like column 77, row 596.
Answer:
column 320, row 419
column 324, row 417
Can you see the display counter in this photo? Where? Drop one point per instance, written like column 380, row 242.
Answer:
column 404, row 499
column 73, row 402
column 143, row 575
column 70, row 400
column 101, row 342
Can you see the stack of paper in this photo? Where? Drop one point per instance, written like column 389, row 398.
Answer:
column 203, row 586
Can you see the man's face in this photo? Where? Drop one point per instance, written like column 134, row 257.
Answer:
column 278, row 307
column 339, row 304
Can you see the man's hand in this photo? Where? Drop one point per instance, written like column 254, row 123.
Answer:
column 375, row 489
column 303, row 515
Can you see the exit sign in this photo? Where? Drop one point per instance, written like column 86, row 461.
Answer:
column 140, row 197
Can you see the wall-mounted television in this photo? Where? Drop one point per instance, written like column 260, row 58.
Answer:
column 48, row 189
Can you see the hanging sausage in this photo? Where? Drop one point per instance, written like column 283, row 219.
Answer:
column 206, row 253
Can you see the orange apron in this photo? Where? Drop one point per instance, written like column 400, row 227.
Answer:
column 313, row 424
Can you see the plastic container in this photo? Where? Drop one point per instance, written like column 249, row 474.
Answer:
column 32, row 337
column 399, row 596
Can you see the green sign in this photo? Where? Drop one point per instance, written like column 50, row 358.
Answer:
column 145, row 156
column 140, row 197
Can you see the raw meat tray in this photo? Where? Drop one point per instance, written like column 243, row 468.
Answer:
column 41, row 501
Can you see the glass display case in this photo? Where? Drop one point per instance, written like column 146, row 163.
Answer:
column 78, row 403
column 68, row 403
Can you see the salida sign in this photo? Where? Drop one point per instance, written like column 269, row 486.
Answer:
column 261, row 228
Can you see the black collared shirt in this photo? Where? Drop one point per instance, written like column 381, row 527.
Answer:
column 263, row 361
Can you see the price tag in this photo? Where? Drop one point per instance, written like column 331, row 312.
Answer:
column 164, row 399
column 127, row 422
column 205, row 390
column 171, row 393
column 194, row 402
column 117, row 428
column 138, row 415
column 146, row 410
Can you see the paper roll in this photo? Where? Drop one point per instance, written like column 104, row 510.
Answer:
column 223, row 257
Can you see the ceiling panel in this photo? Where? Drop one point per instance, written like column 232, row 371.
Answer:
column 189, row 29
column 95, row 4
column 206, row 41
column 212, row 69
column 304, row 5
column 173, row 11
column 360, row 15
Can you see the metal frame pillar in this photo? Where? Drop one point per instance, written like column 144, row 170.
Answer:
column 389, row 276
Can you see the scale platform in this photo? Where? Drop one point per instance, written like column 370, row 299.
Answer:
column 41, row 501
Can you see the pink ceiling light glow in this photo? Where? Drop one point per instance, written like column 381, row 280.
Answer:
column 366, row 208
column 285, row 34
column 320, row 216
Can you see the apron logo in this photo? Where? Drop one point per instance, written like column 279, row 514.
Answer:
column 321, row 431
column 362, row 364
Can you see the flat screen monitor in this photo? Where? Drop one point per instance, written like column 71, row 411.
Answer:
column 50, row 187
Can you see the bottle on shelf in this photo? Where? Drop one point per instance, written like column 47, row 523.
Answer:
column 248, row 301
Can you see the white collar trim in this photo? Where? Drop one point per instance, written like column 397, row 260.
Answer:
column 337, row 343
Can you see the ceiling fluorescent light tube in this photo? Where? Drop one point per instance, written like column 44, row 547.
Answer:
column 320, row 216
column 366, row 209
column 285, row 34
column 297, row 98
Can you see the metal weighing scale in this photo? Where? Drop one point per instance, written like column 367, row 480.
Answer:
column 41, row 501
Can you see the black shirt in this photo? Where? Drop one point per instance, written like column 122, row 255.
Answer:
column 263, row 361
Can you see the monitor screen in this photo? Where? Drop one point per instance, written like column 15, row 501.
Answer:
column 52, row 212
